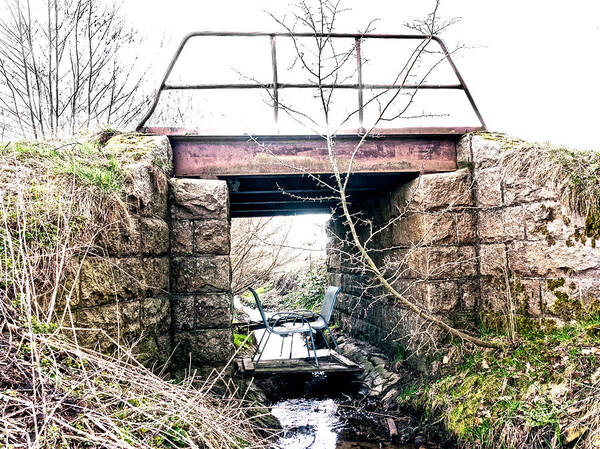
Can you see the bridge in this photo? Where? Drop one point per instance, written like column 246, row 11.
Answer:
column 267, row 174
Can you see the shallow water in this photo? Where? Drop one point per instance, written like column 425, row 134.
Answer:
column 315, row 424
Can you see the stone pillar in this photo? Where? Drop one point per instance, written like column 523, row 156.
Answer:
column 201, row 298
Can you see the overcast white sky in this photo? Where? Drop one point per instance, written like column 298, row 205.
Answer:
column 533, row 67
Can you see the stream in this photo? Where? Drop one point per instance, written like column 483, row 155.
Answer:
column 315, row 423
column 325, row 412
column 320, row 411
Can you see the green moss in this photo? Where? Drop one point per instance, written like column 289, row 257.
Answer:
column 579, row 236
column 239, row 339
column 593, row 309
column 592, row 224
column 593, row 330
column 542, row 229
column 566, row 307
column 506, row 142
column 468, row 165
column 553, row 284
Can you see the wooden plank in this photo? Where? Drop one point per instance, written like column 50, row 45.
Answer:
column 248, row 364
column 210, row 157
column 329, row 361
column 344, row 360
column 323, row 367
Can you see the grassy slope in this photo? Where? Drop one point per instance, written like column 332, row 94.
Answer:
column 54, row 197
column 541, row 391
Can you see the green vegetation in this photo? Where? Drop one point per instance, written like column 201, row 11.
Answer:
column 538, row 392
column 259, row 290
column 310, row 289
column 240, row 339
column 55, row 198
column 85, row 162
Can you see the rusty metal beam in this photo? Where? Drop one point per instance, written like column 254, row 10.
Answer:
column 212, row 157
column 347, row 133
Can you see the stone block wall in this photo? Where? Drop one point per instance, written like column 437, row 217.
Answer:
column 160, row 277
column 527, row 235
column 201, row 298
column 122, row 291
column 461, row 245
column 430, row 256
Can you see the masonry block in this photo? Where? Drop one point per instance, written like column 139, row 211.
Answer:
column 539, row 259
column 156, row 315
column 199, row 198
column 434, row 191
column 182, row 238
column 347, row 303
column 211, row 236
column 435, row 228
column 147, row 190
column 488, row 187
column 154, row 233
column 118, row 320
column 545, row 221
column 105, row 280
column 204, row 347
column 493, row 260
column 121, row 238
column 433, row 262
column 334, row 278
column 463, row 151
column 184, row 312
column 486, row 152
column 201, row 274
column 493, row 295
column 523, row 191
column 501, row 225
column 435, row 297
column 470, row 294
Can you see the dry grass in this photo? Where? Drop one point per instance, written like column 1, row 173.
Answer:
column 54, row 393
column 573, row 174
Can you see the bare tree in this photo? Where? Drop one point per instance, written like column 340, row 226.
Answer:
column 324, row 64
column 260, row 247
column 66, row 65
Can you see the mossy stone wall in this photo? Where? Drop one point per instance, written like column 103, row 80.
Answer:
column 160, row 279
column 464, row 245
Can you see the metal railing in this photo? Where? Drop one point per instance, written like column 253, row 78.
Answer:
column 276, row 85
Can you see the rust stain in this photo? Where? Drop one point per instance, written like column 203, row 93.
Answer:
column 209, row 158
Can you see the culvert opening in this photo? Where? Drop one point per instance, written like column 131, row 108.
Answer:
column 284, row 259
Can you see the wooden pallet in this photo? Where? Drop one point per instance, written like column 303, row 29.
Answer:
column 329, row 362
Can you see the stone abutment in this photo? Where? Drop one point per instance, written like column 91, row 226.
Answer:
column 466, row 246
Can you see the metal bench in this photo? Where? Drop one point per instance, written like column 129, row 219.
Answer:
column 304, row 322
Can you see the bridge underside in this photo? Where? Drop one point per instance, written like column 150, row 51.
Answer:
column 268, row 195
column 284, row 175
